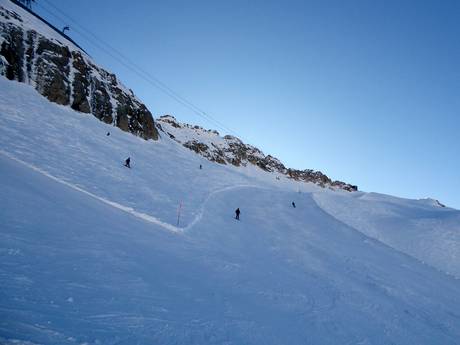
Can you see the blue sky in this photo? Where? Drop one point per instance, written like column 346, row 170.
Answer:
column 366, row 91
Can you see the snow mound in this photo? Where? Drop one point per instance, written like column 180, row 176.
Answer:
column 420, row 228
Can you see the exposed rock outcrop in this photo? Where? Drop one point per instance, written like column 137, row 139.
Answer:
column 231, row 150
column 66, row 75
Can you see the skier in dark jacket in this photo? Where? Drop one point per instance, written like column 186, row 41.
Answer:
column 237, row 214
column 293, row 204
column 127, row 162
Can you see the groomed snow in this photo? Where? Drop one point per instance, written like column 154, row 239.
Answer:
column 91, row 253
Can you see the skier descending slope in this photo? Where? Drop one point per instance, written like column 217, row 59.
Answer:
column 127, row 162
column 237, row 214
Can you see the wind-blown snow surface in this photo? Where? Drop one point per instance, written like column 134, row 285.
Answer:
column 91, row 252
column 419, row 228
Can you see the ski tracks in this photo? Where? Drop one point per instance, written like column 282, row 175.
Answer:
column 140, row 215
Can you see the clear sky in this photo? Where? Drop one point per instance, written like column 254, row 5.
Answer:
column 366, row 91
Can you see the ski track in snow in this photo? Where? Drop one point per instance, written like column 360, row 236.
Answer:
column 131, row 211
column 281, row 276
column 225, row 189
column 146, row 217
column 61, row 144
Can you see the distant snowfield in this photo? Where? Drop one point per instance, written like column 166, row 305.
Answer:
column 91, row 252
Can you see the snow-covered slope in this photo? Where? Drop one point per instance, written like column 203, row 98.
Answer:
column 421, row 228
column 91, row 252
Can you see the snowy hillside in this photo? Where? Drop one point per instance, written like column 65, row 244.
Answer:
column 34, row 53
column 91, row 252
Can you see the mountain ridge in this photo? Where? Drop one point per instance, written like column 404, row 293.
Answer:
column 32, row 52
column 231, row 150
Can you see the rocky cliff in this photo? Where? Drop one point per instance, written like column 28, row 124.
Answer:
column 32, row 53
column 231, row 150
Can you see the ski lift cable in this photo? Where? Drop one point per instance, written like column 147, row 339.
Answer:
column 146, row 76
column 125, row 58
column 122, row 62
column 129, row 64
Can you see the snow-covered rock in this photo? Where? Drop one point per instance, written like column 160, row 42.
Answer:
column 231, row 150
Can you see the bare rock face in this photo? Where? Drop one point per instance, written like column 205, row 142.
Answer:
column 231, row 150
column 13, row 53
column 134, row 116
column 81, row 83
column 52, row 71
column 65, row 75
column 196, row 146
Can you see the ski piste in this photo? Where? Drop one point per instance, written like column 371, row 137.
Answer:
column 82, row 241
column 93, row 254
